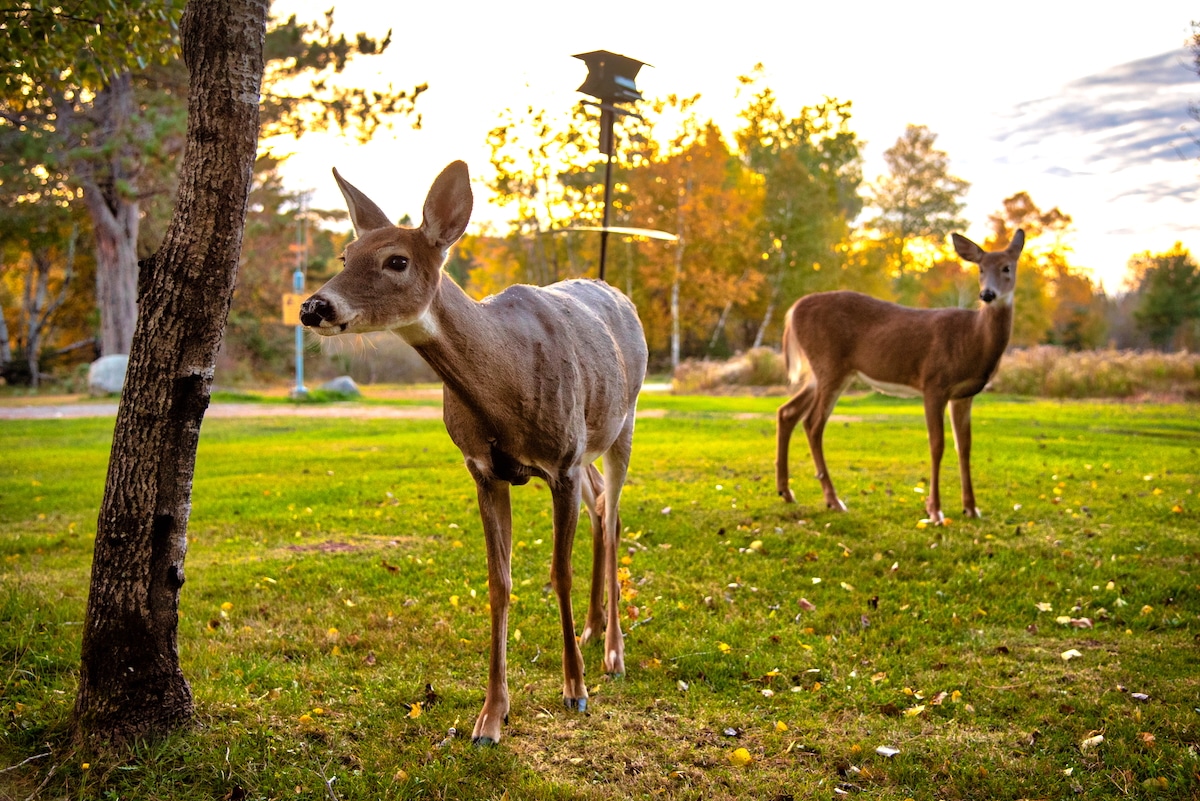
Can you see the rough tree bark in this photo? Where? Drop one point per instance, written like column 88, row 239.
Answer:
column 130, row 682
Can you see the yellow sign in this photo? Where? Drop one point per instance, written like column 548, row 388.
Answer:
column 291, row 308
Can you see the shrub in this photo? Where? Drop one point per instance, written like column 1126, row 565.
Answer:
column 1041, row 371
column 757, row 367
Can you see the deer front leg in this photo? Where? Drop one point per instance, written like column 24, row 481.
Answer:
column 814, row 427
column 960, row 419
column 787, row 417
column 935, row 412
column 495, row 509
column 593, row 498
column 566, row 494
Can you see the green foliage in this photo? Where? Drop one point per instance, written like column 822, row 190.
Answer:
column 301, row 90
column 46, row 47
column 918, row 198
column 324, row 595
column 1168, row 289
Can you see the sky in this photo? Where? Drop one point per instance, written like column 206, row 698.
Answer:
column 1083, row 105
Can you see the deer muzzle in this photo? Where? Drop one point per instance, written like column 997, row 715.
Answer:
column 316, row 311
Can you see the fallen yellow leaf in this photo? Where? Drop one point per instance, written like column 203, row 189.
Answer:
column 414, row 710
column 740, row 757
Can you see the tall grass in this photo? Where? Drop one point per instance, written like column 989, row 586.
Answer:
column 1052, row 372
column 1045, row 371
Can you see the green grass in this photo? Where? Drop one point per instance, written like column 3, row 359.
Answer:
column 338, row 565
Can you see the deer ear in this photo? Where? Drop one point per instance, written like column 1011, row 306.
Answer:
column 966, row 249
column 448, row 206
column 1017, row 244
column 365, row 215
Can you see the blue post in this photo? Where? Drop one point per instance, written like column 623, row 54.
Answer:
column 300, row 390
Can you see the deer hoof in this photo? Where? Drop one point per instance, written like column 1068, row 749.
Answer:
column 787, row 496
column 972, row 512
column 575, row 704
column 836, row 505
column 483, row 742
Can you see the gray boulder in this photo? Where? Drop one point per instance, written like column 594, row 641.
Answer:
column 106, row 375
column 343, row 384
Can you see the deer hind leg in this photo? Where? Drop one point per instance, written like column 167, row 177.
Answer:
column 824, row 399
column 960, row 419
column 593, row 498
column 566, row 493
column 616, row 466
column 935, row 414
column 496, row 512
column 796, row 409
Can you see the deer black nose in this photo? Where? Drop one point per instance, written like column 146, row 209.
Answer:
column 987, row 296
column 315, row 310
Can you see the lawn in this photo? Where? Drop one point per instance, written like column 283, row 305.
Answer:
column 334, row 624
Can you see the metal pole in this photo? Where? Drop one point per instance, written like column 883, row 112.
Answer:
column 298, row 286
column 606, row 146
column 607, row 200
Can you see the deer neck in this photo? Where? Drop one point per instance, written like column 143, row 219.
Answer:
column 993, row 325
column 458, row 341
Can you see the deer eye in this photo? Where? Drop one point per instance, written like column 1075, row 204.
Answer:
column 397, row 263
column 1007, row 269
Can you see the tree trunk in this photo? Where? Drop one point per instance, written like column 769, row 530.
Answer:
column 776, row 286
column 115, row 214
column 36, row 289
column 680, row 226
column 5, row 347
column 130, row 681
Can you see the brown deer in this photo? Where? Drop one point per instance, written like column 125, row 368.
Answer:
column 944, row 355
column 538, row 382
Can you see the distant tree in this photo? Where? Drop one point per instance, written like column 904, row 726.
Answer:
column 1167, row 286
column 70, row 128
column 811, row 168
column 918, row 198
column 41, row 263
column 103, row 125
column 1079, row 320
column 131, row 685
column 545, row 172
column 697, row 189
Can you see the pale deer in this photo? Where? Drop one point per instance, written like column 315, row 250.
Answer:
column 538, row 382
column 944, row 355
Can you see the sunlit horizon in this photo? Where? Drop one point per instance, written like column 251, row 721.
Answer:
column 1082, row 111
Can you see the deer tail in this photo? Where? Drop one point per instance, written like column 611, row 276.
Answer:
column 793, row 354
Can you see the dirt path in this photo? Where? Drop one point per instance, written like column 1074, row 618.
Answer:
column 75, row 410
column 69, row 407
